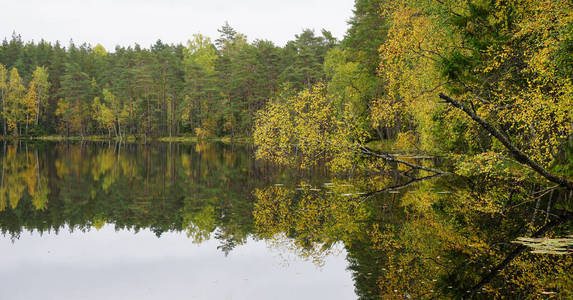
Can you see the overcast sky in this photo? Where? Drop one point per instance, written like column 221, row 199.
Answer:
column 126, row 22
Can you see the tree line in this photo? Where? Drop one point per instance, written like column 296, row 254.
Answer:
column 204, row 88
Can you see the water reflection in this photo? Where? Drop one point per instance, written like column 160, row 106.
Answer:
column 110, row 264
column 421, row 239
column 164, row 187
column 405, row 235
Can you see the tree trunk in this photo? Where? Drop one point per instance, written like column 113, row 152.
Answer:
column 148, row 129
column 3, row 117
column 38, row 106
column 119, row 128
column 164, row 108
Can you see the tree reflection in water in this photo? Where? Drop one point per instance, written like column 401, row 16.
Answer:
column 407, row 234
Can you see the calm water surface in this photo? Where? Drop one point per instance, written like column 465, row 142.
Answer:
column 207, row 221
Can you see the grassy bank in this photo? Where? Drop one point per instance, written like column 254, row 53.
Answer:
column 133, row 139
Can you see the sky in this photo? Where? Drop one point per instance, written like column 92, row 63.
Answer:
column 126, row 22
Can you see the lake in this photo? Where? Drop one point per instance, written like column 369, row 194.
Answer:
column 99, row 220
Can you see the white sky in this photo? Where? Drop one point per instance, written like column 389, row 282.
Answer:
column 126, row 22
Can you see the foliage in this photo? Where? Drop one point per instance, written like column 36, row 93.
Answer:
column 504, row 60
column 304, row 129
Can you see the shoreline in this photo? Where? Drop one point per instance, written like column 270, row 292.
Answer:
column 132, row 139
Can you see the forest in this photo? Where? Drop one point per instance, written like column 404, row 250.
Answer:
column 204, row 88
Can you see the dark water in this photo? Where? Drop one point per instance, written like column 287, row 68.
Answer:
column 207, row 221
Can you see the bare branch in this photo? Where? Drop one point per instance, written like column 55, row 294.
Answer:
column 387, row 157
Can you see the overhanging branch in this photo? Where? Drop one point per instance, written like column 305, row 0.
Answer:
column 516, row 153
